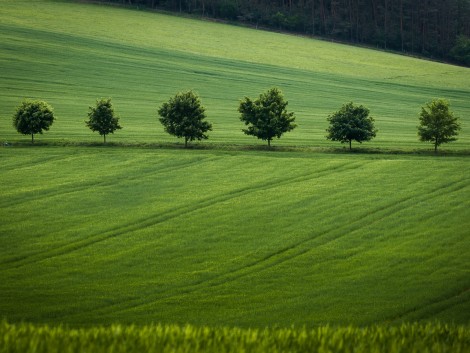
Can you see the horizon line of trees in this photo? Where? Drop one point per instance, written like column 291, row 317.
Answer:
column 431, row 28
column 266, row 117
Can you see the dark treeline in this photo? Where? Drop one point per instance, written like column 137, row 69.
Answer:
column 432, row 28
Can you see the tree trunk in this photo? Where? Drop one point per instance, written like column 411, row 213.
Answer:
column 350, row 145
column 374, row 13
column 104, row 138
column 32, row 138
column 269, row 142
column 435, row 146
column 424, row 29
column 385, row 23
column 313, row 17
column 402, row 36
column 323, row 16
column 185, row 142
column 351, row 30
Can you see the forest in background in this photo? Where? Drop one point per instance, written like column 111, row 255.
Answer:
column 438, row 29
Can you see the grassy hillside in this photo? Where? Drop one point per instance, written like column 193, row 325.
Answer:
column 72, row 53
column 99, row 235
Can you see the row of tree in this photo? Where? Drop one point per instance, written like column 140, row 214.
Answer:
column 434, row 28
column 266, row 117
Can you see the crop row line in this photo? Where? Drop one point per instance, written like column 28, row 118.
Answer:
column 285, row 254
column 164, row 216
column 54, row 191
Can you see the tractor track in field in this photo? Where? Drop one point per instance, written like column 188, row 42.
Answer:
column 288, row 253
column 171, row 214
column 37, row 161
column 70, row 188
column 112, row 182
column 436, row 306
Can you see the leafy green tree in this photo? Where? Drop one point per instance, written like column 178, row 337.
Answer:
column 102, row 118
column 461, row 50
column 266, row 117
column 437, row 124
column 32, row 117
column 183, row 116
column 350, row 123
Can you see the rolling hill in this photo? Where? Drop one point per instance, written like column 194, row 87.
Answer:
column 70, row 54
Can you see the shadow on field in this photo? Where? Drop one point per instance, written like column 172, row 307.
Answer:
column 236, row 147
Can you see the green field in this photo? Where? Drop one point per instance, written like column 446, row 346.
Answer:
column 70, row 54
column 131, row 235
column 142, row 231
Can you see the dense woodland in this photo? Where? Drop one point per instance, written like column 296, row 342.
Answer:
column 433, row 28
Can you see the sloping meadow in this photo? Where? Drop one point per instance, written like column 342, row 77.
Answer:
column 71, row 54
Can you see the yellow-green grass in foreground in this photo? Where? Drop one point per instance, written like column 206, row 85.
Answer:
column 410, row 338
column 93, row 235
column 70, row 53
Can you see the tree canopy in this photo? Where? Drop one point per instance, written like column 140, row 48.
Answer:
column 350, row 123
column 266, row 117
column 102, row 119
column 32, row 117
column 184, row 116
column 437, row 123
column 461, row 51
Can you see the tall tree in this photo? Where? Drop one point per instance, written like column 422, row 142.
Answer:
column 33, row 117
column 184, row 116
column 461, row 50
column 267, row 116
column 102, row 119
column 437, row 123
column 350, row 123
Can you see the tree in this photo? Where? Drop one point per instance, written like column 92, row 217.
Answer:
column 461, row 50
column 102, row 118
column 437, row 123
column 183, row 116
column 32, row 117
column 351, row 123
column 266, row 117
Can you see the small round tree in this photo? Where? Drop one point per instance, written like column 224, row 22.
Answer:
column 102, row 118
column 350, row 123
column 266, row 117
column 437, row 123
column 183, row 116
column 32, row 117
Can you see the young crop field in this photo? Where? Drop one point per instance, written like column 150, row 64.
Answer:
column 133, row 235
column 415, row 338
column 72, row 53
